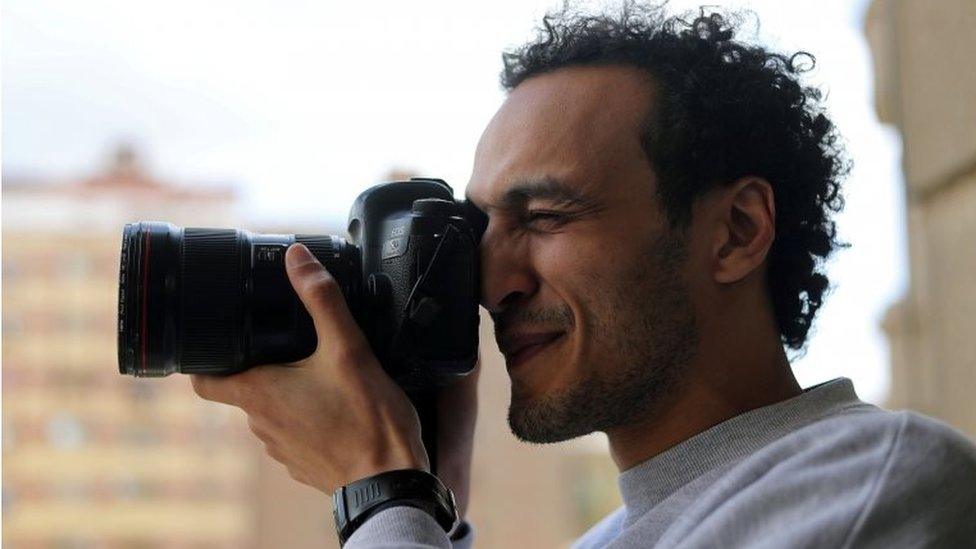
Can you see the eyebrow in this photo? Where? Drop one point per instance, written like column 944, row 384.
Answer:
column 544, row 188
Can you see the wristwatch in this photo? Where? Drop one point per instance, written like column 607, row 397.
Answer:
column 355, row 502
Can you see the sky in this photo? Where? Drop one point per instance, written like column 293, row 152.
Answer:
column 303, row 104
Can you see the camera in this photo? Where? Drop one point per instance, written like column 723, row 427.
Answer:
column 218, row 301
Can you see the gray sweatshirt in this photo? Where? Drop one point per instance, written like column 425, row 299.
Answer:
column 822, row 469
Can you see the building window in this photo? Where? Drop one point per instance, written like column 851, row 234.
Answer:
column 11, row 269
column 65, row 432
column 77, row 265
column 13, row 324
column 9, row 436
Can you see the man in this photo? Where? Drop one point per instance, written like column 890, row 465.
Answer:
column 658, row 200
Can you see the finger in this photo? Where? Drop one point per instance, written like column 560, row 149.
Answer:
column 323, row 298
column 273, row 453
column 242, row 390
column 259, row 429
column 212, row 388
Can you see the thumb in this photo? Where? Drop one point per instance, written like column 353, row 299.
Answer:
column 323, row 298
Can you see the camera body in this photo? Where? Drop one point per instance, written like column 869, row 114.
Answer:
column 218, row 301
column 421, row 276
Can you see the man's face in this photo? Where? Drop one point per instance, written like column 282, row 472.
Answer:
column 584, row 279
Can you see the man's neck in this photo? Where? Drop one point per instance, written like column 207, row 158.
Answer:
column 701, row 402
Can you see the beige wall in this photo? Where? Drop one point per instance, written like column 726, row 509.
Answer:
column 926, row 86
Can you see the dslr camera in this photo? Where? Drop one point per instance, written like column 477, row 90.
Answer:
column 218, row 301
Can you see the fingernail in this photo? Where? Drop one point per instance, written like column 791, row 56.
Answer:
column 298, row 255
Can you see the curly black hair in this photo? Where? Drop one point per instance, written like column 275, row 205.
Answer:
column 724, row 109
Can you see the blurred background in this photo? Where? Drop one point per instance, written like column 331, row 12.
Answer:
column 273, row 116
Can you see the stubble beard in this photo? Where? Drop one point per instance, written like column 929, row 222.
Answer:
column 646, row 325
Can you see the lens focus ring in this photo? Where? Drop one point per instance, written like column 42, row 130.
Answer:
column 211, row 320
column 323, row 247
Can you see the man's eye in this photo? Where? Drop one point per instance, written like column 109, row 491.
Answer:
column 544, row 219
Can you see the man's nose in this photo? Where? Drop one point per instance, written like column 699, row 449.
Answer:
column 507, row 276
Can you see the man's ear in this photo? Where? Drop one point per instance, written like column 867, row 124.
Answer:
column 746, row 219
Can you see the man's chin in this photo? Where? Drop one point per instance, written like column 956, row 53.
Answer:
column 545, row 420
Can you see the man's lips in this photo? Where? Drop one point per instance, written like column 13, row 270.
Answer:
column 518, row 348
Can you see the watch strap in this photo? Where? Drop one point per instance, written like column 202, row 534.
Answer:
column 356, row 502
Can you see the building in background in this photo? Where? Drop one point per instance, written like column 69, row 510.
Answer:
column 92, row 458
column 926, row 86
column 95, row 459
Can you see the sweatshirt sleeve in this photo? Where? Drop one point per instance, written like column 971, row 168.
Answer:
column 879, row 480
column 925, row 495
column 407, row 528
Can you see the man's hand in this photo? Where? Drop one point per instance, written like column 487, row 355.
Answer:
column 336, row 416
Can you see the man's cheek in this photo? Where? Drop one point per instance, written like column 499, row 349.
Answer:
column 564, row 254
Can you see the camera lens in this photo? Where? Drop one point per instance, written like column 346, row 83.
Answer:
column 198, row 300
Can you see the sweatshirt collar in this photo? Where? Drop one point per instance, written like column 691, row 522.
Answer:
column 645, row 485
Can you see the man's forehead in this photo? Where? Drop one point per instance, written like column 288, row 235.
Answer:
column 559, row 126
